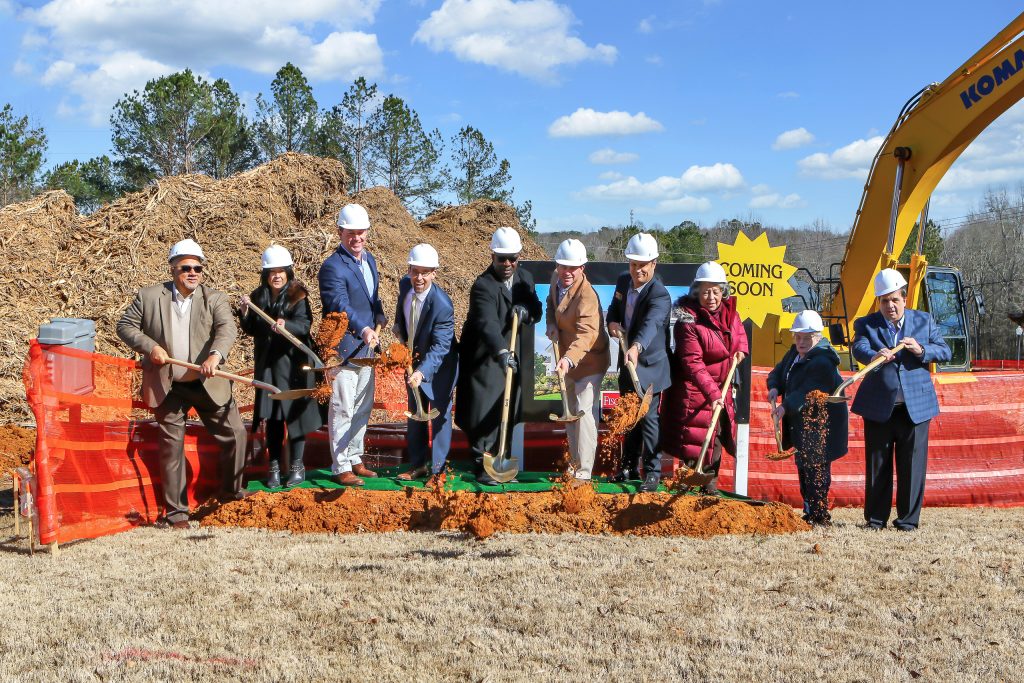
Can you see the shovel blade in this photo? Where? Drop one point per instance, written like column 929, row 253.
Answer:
column 501, row 469
column 569, row 418
column 694, row 478
column 422, row 417
column 363, row 362
column 645, row 402
column 292, row 394
column 837, row 399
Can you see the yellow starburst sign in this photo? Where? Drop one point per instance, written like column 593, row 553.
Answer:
column 758, row 276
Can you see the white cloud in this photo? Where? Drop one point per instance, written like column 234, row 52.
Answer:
column 760, row 188
column 850, row 161
column 653, row 59
column 646, row 25
column 777, row 201
column 611, row 175
column 793, row 139
column 977, row 179
column 531, row 38
column 583, row 122
column 580, row 221
column 684, row 203
column 22, row 68
column 718, row 177
column 610, row 156
column 994, row 159
column 788, row 95
column 116, row 45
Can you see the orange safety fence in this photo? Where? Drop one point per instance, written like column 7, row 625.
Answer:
column 975, row 446
column 97, row 464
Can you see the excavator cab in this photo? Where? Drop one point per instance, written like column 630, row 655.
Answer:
column 943, row 297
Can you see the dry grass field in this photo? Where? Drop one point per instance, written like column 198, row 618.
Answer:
column 846, row 604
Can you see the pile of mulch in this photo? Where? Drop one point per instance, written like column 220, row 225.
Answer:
column 565, row 510
column 16, row 447
column 61, row 264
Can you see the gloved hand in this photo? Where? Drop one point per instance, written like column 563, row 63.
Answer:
column 507, row 360
column 524, row 315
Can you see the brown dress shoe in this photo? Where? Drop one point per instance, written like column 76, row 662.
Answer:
column 363, row 471
column 348, row 479
column 414, row 473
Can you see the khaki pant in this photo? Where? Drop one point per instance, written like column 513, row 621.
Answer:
column 585, row 394
column 222, row 422
column 348, row 415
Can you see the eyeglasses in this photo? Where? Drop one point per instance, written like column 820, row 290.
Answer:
column 509, row 258
column 198, row 270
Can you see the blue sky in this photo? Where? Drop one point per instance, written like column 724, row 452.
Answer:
column 697, row 110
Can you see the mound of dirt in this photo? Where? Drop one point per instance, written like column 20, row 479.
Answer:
column 66, row 265
column 564, row 510
column 16, row 447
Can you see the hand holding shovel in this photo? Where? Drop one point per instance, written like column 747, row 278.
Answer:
column 269, row 388
column 648, row 396
column 838, row 396
column 372, row 360
column 317, row 363
column 419, row 415
column 566, row 416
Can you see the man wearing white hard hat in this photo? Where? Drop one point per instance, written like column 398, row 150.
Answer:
column 811, row 364
column 186, row 320
column 484, row 354
column 348, row 284
column 278, row 362
column 575, row 322
column 425, row 322
column 639, row 312
column 897, row 402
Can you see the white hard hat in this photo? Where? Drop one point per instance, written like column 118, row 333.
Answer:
column 353, row 217
column 424, row 256
column 642, row 247
column 571, row 253
column 807, row 321
column 276, row 256
column 506, row 241
column 888, row 281
column 711, row 271
column 187, row 247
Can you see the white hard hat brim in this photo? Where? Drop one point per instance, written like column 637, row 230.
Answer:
column 571, row 263
column 642, row 259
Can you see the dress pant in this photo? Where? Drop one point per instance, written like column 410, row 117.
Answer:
column 222, row 422
column 897, row 436
column 641, row 442
column 348, row 414
column 583, row 393
column 418, row 438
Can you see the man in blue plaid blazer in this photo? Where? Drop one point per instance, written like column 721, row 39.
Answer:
column 897, row 402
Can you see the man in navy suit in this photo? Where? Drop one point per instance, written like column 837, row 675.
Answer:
column 348, row 283
column 897, row 402
column 425, row 321
column 640, row 311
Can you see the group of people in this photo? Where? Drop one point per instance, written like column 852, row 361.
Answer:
column 689, row 380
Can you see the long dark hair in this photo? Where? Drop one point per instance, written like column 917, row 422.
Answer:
column 274, row 308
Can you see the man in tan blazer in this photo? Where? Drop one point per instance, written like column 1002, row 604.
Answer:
column 185, row 320
column 576, row 322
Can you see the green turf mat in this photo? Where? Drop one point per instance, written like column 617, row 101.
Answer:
column 462, row 479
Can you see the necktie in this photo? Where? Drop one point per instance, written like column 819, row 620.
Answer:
column 414, row 318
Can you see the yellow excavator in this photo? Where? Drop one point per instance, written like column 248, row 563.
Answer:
column 932, row 130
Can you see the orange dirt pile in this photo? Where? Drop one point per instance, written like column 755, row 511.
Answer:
column 565, row 510
column 395, row 357
column 16, row 447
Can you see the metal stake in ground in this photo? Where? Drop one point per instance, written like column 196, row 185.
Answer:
column 648, row 396
column 501, row 467
column 269, row 388
column 566, row 417
column 838, row 396
column 317, row 363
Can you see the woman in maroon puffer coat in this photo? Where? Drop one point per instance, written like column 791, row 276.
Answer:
column 708, row 336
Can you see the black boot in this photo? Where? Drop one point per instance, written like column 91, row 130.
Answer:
column 297, row 470
column 274, row 475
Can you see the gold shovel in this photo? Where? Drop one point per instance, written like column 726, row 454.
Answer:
column 269, row 388
column 566, row 417
column 502, row 467
column 419, row 415
column 838, row 396
column 697, row 476
column 648, row 396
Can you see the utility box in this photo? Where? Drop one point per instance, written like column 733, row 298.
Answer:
column 70, row 375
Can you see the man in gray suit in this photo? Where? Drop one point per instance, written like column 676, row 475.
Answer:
column 185, row 320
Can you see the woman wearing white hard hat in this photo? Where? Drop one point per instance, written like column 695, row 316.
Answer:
column 484, row 354
column 811, row 364
column 576, row 323
column 639, row 315
column 709, row 336
column 425, row 322
column 278, row 362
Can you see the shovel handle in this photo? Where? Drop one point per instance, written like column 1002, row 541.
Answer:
column 629, row 366
column 508, row 390
column 867, row 368
column 295, row 341
column 777, row 430
column 228, row 375
column 714, row 417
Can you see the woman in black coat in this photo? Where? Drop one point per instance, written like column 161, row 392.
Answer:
column 811, row 364
column 279, row 362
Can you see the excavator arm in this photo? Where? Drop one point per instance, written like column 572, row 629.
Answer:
column 931, row 132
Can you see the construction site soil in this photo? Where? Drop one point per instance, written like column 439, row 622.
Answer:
column 62, row 264
column 16, row 447
column 568, row 509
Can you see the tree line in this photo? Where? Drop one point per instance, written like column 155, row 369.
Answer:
column 183, row 123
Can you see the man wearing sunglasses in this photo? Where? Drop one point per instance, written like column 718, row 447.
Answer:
column 185, row 320
column 484, row 352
